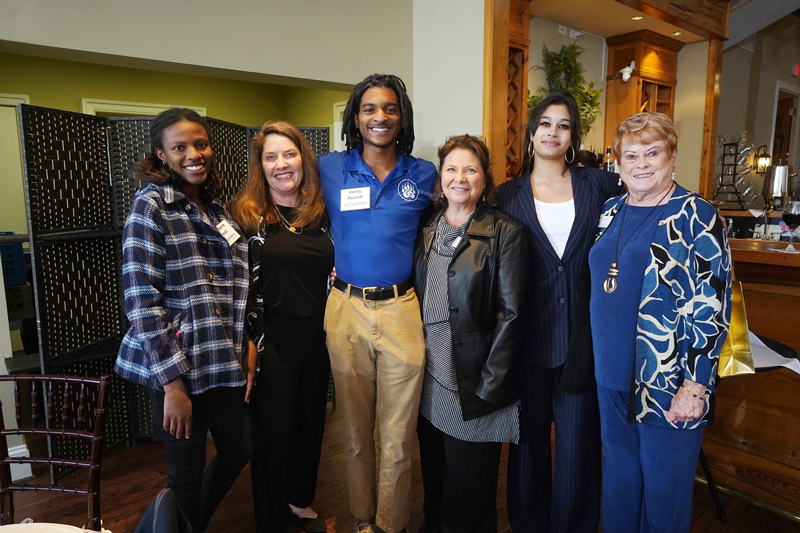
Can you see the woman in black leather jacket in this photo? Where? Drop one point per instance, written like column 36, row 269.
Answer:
column 470, row 275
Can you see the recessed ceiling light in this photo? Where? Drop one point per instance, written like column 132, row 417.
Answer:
column 637, row 17
column 676, row 33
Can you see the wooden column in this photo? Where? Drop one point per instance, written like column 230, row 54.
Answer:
column 517, row 103
column 711, row 119
column 495, row 82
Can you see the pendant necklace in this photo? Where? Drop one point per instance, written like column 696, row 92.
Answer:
column 290, row 227
column 611, row 284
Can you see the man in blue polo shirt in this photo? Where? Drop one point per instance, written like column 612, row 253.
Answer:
column 375, row 193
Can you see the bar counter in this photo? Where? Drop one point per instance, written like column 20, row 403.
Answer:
column 753, row 446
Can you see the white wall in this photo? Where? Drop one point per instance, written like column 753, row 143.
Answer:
column 339, row 41
column 690, row 104
column 593, row 60
column 448, row 72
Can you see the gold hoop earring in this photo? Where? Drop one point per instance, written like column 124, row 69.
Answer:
column 531, row 153
column 570, row 160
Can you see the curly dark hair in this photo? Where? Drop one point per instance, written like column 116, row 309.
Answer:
column 152, row 170
column 478, row 148
column 554, row 98
column 350, row 133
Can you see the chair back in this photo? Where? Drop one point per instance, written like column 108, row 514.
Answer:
column 70, row 411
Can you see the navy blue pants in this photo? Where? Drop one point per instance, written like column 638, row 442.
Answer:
column 648, row 471
column 570, row 503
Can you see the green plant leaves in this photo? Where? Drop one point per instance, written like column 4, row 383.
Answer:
column 564, row 72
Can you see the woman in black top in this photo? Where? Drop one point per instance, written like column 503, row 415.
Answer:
column 291, row 257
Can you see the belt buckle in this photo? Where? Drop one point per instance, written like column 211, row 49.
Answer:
column 366, row 290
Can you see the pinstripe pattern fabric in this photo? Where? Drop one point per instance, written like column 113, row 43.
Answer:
column 185, row 294
column 570, row 502
column 555, row 281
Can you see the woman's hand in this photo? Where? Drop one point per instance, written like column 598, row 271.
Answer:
column 688, row 403
column 177, row 410
column 333, row 276
column 249, row 368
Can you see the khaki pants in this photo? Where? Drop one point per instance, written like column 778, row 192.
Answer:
column 377, row 352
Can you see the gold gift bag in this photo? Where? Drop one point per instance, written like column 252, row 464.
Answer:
column 737, row 354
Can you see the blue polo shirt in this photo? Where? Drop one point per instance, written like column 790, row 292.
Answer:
column 375, row 246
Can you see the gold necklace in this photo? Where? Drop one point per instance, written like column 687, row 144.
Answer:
column 290, row 227
column 611, row 284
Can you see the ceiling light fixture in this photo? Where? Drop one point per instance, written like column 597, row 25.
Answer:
column 637, row 17
column 676, row 33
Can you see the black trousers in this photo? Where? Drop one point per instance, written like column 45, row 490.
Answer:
column 568, row 499
column 460, row 481
column 198, row 489
column 288, row 418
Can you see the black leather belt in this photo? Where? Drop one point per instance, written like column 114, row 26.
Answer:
column 374, row 293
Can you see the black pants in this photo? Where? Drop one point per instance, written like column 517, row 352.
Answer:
column 198, row 492
column 288, row 419
column 460, row 481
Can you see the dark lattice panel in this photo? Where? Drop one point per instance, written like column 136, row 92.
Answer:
column 77, row 291
column 318, row 138
column 117, row 426
column 129, row 143
column 229, row 143
column 66, row 170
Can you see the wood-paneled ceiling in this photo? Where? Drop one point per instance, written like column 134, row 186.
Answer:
column 604, row 18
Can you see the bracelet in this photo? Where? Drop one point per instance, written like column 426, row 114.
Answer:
column 699, row 398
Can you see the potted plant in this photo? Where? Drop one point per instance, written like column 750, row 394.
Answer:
column 564, row 72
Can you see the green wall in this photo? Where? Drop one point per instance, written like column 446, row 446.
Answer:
column 62, row 85
column 312, row 107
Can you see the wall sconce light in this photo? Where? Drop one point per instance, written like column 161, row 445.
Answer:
column 626, row 71
column 763, row 159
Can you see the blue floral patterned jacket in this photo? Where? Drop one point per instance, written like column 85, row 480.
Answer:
column 684, row 310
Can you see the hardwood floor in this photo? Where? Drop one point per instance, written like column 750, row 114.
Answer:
column 133, row 475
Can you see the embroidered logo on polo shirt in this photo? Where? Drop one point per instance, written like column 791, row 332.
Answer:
column 407, row 190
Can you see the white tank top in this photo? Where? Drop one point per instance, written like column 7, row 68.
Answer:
column 556, row 220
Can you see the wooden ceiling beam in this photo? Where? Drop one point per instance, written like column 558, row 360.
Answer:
column 707, row 18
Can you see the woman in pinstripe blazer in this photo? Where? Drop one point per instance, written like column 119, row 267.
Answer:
column 559, row 205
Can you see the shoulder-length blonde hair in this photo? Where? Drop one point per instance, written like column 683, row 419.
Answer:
column 645, row 128
column 254, row 202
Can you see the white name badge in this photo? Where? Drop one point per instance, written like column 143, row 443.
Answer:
column 605, row 221
column 355, row 199
column 227, row 231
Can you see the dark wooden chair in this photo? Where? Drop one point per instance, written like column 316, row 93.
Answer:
column 70, row 412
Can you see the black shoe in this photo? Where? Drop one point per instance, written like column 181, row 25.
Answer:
column 309, row 525
column 429, row 528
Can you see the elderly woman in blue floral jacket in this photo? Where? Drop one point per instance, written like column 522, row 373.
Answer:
column 660, row 310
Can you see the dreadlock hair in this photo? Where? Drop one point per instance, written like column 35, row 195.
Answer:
column 152, row 170
column 555, row 98
column 254, row 202
column 350, row 133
